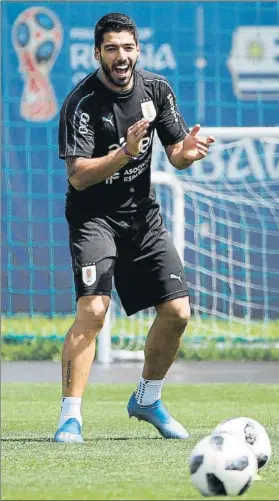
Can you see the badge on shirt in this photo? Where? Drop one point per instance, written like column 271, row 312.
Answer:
column 148, row 110
column 89, row 274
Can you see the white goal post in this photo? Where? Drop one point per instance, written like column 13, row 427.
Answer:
column 158, row 178
column 231, row 233
column 229, row 133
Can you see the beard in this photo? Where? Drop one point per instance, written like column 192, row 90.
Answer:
column 119, row 80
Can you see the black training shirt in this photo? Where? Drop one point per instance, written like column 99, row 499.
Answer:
column 94, row 120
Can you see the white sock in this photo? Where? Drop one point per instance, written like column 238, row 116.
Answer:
column 149, row 390
column 70, row 408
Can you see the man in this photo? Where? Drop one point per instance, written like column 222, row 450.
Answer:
column 106, row 131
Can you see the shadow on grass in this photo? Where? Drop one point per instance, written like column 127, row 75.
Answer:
column 86, row 440
column 43, row 439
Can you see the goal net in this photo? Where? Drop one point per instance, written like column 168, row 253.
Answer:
column 223, row 215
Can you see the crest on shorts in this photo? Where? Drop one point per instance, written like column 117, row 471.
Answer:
column 148, row 110
column 89, row 274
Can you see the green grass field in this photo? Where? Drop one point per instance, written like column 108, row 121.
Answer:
column 40, row 325
column 122, row 458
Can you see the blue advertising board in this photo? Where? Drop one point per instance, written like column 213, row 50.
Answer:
column 222, row 59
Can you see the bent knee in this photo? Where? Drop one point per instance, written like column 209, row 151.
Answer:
column 177, row 311
column 182, row 316
column 91, row 311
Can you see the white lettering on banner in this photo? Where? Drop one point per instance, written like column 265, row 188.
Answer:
column 243, row 161
column 81, row 55
column 82, row 59
column 157, row 59
column 234, row 163
column 253, row 163
column 272, row 160
column 217, row 165
column 82, row 33
column 88, row 33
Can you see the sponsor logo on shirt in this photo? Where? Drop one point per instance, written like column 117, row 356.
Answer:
column 148, row 109
column 172, row 107
column 89, row 274
column 145, row 143
column 112, row 178
column 176, row 277
column 83, row 121
column 108, row 119
column 133, row 172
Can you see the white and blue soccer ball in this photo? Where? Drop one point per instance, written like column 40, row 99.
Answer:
column 222, row 465
column 253, row 433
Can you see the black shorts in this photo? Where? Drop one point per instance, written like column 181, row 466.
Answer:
column 136, row 250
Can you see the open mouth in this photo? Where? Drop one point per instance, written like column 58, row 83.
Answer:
column 121, row 69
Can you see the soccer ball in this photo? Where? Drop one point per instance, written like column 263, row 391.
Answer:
column 253, row 433
column 221, row 464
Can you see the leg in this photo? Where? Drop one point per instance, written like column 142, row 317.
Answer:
column 161, row 348
column 77, row 357
column 93, row 253
column 164, row 337
column 79, row 347
column 158, row 271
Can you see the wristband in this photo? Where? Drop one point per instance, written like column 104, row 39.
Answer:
column 124, row 148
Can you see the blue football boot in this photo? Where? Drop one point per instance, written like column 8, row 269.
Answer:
column 157, row 415
column 70, row 432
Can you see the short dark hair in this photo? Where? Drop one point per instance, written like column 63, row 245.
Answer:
column 114, row 22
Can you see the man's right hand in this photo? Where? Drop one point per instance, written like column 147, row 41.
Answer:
column 134, row 136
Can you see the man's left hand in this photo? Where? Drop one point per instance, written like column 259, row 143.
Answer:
column 196, row 148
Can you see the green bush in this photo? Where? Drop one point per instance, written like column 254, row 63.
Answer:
column 40, row 348
column 229, row 351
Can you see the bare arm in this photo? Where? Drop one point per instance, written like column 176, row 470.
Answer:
column 192, row 148
column 84, row 172
column 176, row 157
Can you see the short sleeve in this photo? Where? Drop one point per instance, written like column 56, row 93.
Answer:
column 76, row 131
column 171, row 127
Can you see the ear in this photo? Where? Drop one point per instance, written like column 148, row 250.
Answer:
column 97, row 54
column 138, row 49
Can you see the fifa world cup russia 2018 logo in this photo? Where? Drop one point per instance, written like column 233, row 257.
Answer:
column 37, row 37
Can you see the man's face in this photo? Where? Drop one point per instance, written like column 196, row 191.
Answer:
column 118, row 56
